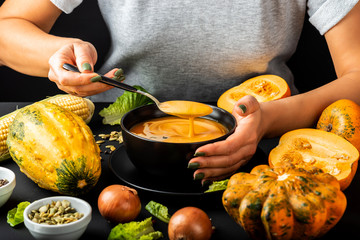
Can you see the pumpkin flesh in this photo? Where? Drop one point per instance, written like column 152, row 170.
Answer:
column 264, row 88
column 55, row 148
column 285, row 202
column 307, row 148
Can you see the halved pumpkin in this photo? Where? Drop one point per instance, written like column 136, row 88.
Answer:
column 264, row 88
column 307, row 148
column 342, row 118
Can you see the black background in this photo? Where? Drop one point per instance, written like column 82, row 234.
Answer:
column 311, row 64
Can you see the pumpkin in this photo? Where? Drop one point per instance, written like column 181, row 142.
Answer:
column 55, row 148
column 312, row 147
column 342, row 118
column 264, row 88
column 284, row 202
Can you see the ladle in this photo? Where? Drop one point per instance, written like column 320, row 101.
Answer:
column 184, row 109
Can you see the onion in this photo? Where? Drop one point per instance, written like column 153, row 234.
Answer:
column 119, row 204
column 190, row 223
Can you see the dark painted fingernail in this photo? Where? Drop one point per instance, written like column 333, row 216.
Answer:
column 199, row 154
column 194, row 165
column 119, row 73
column 119, row 78
column 199, row 176
column 96, row 78
column 86, row 67
column 243, row 108
column 206, row 183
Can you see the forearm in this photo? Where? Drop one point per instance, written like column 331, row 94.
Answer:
column 26, row 48
column 303, row 110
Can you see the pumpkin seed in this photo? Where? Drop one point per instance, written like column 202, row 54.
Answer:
column 3, row 182
column 341, row 156
column 59, row 212
column 335, row 171
column 44, row 208
column 310, row 160
column 104, row 136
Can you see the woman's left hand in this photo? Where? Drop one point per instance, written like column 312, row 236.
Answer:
column 221, row 159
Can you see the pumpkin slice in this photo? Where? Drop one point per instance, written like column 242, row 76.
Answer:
column 307, row 148
column 264, row 88
column 342, row 118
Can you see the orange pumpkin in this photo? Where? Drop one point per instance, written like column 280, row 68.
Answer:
column 342, row 118
column 264, row 88
column 285, row 202
column 307, row 148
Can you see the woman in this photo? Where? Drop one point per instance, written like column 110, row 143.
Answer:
column 194, row 50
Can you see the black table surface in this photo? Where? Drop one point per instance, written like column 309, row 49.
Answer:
column 99, row 228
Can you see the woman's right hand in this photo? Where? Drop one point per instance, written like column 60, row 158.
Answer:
column 84, row 56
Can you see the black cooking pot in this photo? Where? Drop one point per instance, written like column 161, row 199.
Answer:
column 164, row 158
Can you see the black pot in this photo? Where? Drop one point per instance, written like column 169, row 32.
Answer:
column 163, row 158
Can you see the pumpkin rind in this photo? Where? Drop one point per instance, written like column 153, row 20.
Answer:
column 264, row 88
column 342, row 118
column 308, row 148
column 55, row 148
column 285, row 202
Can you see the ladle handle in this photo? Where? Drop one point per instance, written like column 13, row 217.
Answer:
column 104, row 79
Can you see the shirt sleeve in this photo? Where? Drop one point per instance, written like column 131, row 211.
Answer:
column 67, row 6
column 324, row 14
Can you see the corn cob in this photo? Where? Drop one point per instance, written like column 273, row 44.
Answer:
column 83, row 107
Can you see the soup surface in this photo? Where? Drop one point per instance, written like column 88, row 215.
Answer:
column 186, row 109
column 176, row 129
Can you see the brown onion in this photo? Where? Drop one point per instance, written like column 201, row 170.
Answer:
column 119, row 204
column 190, row 223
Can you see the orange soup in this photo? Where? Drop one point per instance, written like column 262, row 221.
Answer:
column 176, row 129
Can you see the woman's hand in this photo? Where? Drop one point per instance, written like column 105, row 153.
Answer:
column 221, row 159
column 84, row 56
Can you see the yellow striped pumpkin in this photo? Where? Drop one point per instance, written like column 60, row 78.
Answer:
column 55, row 148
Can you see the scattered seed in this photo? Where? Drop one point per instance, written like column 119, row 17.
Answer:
column 112, row 136
column 104, row 136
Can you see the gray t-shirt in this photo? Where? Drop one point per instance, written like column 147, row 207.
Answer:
column 196, row 50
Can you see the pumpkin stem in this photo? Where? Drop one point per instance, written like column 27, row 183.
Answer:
column 329, row 127
column 81, row 183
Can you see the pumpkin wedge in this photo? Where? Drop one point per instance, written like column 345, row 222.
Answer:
column 284, row 202
column 342, row 118
column 307, row 148
column 264, row 88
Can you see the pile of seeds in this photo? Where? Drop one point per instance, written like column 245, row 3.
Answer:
column 59, row 212
column 3, row 182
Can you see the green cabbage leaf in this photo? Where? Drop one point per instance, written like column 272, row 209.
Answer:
column 142, row 230
column 15, row 215
column 158, row 210
column 127, row 101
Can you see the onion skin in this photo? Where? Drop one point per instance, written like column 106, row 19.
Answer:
column 190, row 223
column 119, row 204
